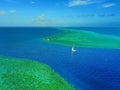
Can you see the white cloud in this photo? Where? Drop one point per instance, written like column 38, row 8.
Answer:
column 11, row 11
column 3, row 12
column 41, row 18
column 108, row 5
column 81, row 2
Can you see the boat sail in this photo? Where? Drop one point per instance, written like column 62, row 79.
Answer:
column 73, row 49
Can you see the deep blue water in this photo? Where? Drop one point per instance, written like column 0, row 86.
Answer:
column 89, row 69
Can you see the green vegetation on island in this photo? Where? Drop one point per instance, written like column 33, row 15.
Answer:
column 20, row 74
column 82, row 38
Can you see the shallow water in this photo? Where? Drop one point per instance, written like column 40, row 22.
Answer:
column 90, row 69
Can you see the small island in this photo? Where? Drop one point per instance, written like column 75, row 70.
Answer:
column 82, row 38
column 20, row 74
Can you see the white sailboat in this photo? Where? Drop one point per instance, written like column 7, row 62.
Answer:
column 73, row 49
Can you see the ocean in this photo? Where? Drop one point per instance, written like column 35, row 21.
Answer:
column 87, row 69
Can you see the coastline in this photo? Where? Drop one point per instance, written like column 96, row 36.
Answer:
column 81, row 38
column 24, row 74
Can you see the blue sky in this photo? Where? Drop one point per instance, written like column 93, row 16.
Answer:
column 80, row 13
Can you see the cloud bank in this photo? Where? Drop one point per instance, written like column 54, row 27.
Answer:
column 108, row 5
column 81, row 2
column 3, row 12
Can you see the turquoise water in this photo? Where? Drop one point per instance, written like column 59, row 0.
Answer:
column 90, row 69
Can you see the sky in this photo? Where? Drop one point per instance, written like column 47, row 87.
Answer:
column 63, row 13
